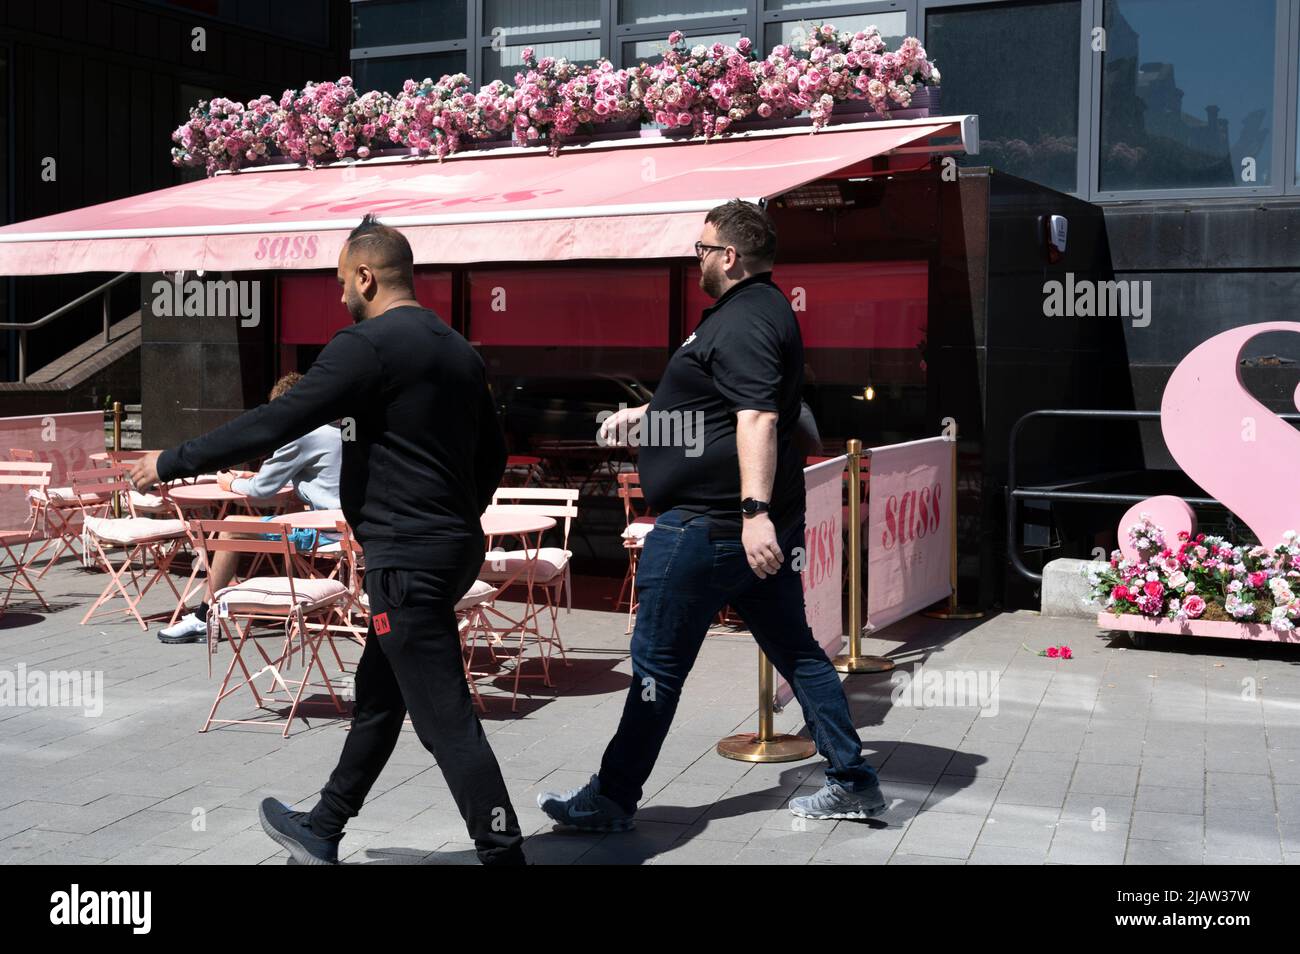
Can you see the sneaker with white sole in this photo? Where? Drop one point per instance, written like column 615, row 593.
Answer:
column 836, row 801
column 188, row 629
column 585, row 809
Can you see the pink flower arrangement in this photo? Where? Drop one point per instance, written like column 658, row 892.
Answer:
column 1202, row 577
column 431, row 117
column 843, row 66
column 704, row 89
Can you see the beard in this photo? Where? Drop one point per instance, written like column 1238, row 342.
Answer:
column 710, row 282
column 356, row 305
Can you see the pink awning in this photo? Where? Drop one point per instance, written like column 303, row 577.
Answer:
column 641, row 198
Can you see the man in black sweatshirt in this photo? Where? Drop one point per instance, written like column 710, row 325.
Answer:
column 426, row 457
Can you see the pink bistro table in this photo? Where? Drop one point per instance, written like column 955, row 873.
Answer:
column 503, row 522
column 193, row 499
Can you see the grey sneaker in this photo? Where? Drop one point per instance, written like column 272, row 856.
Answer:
column 836, row 801
column 292, row 831
column 188, row 629
column 585, row 809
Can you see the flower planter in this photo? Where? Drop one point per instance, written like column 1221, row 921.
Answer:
column 1139, row 626
column 925, row 103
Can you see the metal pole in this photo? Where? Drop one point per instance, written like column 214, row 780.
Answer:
column 854, row 661
column 765, row 745
column 104, row 305
column 22, row 356
column 117, row 446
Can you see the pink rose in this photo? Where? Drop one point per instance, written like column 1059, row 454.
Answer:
column 1154, row 588
column 1194, row 606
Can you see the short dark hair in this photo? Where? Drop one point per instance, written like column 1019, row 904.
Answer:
column 747, row 227
column 385, row 250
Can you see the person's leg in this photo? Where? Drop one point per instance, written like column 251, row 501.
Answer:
column 676, row 599
column 773, row 608
column 377, row 714
column 420, row 639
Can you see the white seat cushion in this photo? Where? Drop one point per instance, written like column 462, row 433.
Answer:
column 270, row 594
column 478, row 593
column 637, row 531
column 128, row 530
column 503, row 564
column 63, row 496
column 148, row 501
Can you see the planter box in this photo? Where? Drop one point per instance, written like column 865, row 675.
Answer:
column 1132, row 623
column 925, row 103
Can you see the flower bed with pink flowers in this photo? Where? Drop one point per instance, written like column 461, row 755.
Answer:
column 1188, row 584
column 702, row 89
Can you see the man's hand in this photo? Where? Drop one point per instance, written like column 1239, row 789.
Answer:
column 144, row 472
column 224, row 479
column 762, row 550
column 613, row 427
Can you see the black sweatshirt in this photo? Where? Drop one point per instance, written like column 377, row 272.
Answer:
column 426, row 452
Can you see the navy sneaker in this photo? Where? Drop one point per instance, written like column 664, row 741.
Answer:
column 585, row 809
column 836, row 801
column 292, row 830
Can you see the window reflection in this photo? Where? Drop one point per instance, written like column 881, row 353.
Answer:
column 1187, row 100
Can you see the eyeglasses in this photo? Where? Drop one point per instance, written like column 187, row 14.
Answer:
column 701, row 248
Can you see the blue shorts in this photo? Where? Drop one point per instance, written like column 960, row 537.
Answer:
column 304, row 538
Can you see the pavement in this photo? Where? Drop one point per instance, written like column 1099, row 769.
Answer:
column 1185, row 753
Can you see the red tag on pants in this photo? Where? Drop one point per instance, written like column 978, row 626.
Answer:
column 381, row 624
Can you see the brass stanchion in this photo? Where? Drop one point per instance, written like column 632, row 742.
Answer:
column 952, row 610
column 117, row 446
column 853, row 660
column 764, row 745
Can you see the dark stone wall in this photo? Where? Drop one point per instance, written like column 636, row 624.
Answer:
column 197, row 373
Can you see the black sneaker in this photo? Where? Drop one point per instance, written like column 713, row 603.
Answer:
column 291, row 830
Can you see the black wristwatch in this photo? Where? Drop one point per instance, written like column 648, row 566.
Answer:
column 750, row 507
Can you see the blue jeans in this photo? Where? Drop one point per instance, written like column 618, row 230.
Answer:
column 684, row 578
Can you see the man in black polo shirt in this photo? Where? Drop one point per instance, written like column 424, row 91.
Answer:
column 426, row 457
column 718, row 461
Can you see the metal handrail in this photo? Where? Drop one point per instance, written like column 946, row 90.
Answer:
column 23, row 327
column 1015, row 494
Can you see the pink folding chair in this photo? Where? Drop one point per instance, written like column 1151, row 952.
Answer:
column 638, row 523
column 148, row 546
column 56, row 509
column 31, row 476
column 305, row 610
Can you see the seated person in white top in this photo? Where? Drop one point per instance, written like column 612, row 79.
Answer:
column 311, row 464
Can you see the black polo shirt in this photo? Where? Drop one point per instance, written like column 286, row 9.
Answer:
column 746, row 354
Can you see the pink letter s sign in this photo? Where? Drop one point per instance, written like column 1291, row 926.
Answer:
column 1239, row 451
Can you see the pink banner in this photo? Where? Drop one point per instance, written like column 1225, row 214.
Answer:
column 67, row 440
column 909, row 529
column 820, row 564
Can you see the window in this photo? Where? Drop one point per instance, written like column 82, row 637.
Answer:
column 390, row 72
column 1017, row 66
column 503, row 64
column 892, row 26
column 1180, row 110
column 539, row 16
column 407, row 21
column 651, row 51
column 675, row 12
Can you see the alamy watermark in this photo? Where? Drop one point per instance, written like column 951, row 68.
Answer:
column 57, row 688
column 655, row 429
column 208, row 298
column 1086, row 298
column 950, row 688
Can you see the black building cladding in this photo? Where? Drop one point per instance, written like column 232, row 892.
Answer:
column 90, row 91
